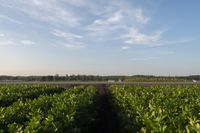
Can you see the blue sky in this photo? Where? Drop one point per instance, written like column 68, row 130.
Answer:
column 107, row 37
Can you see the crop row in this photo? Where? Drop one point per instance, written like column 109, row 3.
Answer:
column 42, row 108
column 164, row 109
column 70, row 111
column 11, row 93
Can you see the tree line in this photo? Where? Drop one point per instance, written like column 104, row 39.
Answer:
column 134, row 78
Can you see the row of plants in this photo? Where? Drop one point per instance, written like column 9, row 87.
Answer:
column 12, row 92
column 70, row 111
column 163, row 109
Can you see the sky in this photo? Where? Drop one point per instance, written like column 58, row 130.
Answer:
column 99, row 37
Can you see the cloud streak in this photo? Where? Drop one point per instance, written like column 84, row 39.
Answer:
column 113, row 19
column 66, row 35
column 136, row 37
column 8, row 41
column 48, row 11
column 140, row 17
column 6, row 18
column 69, row 40
column 125, row 47
column 27, row 42
column 92, row 22
column 5, row 41
column 145, row 58
column 72, row 46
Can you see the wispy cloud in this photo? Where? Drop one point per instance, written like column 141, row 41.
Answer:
column 116, row 19
column 145, row 58
column 140, row 17
column 91, row 21
column 134, row 36
column 5, row 41
column 125, row 47
column 69, row 40
column 49, row 11
column 6, row 18
column 105, row 24
column 113, row 19
column 27, row 42
column 66, row 35
column 72, row 46
column 76, row 2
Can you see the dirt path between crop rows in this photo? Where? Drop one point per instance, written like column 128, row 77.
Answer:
column 107, row 121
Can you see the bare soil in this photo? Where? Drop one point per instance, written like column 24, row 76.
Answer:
column 107, row 121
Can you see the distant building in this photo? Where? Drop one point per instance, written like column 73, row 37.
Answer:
column 194, row 81
column 111, row 81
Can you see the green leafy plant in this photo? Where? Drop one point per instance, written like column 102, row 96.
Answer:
column 160, row 109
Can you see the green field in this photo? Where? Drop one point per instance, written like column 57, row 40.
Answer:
column 158, row 109
column 81, row 109
column 69, row 111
